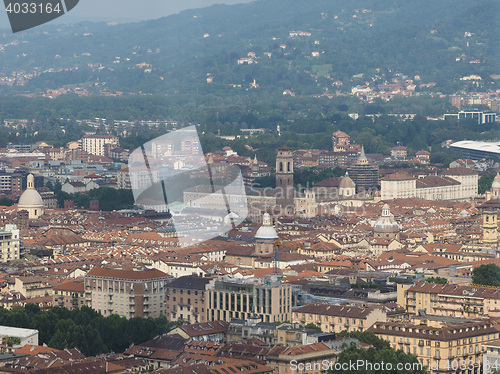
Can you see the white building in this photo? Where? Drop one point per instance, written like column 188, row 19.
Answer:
column 26, row 336
column 452, row 184
column 98, row 144
column 9, row 243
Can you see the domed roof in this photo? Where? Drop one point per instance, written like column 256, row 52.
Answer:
column 386, row 222
column 30, row 198
column 266, row 231
column 496, row 181
column 347, row 182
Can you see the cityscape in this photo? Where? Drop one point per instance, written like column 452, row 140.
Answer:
column 345, row 225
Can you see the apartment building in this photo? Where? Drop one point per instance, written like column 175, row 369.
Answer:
column 128, row 293
column 450, row 299
column 9, row 243
column 10, row 183
column 69, row 295
column 337, row 318
column 268, row 298
column 441, row 348
column 185, row 299
column 98, row 144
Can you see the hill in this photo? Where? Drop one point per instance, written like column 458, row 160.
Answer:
column 306, row 47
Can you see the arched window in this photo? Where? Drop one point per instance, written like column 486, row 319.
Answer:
column 281, row 166
column 289, row 168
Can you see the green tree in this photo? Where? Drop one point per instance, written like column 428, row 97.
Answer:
column 438, row 280
column 485, row 182
column 312, row 326
column 486, row 275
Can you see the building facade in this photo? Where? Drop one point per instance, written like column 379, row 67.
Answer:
column 450, row 299
column 337, row 318
column 269, row 298
column 128, row 293
column 440, row 348
column 185, row 299
column 98, row 144
column 9, row 243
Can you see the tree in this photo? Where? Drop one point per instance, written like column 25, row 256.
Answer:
column 312, row 326
column 438, row 280
column 485, row 182
column 486, row 275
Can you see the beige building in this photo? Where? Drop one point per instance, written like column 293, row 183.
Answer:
column 31, row 287
column 337, row 318
column 98, row 144
column 128, row 293
column 441, row 348
column 69, row 295
column 185, row 299
column 268, row 298
column 452, row 184
column 9, row 243
column 450, row 299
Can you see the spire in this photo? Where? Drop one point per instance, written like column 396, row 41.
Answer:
column 210, row 159
column 362, row 157
column 255, row 160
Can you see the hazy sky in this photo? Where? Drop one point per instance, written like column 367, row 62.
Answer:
column 129, row 9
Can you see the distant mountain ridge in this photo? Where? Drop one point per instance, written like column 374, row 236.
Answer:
column 306, row 47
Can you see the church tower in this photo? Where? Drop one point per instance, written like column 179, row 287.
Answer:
column 489, row 212
column 284, row 180
column 495, row 188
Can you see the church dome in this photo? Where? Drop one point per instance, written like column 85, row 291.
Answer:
column 347, row 182
column 496, row 181
column 266, row 231
column 386, row 222
column 30, row 198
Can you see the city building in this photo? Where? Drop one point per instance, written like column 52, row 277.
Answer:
column 265, row 237
column 439, row 346
column 9, row 243
column 491, row 357
column 336, row 318
column 479, row 116
column 25, row 336
column 10, row 182
column 477, row 150
column 399, row 152
column 31, row 201
column 423, row 157
column 489, row 212
column 284, row 180
column 128, row 293
column 69, row 294
column 185, row 299
column 269, row 298
column 449, row 299
column 98, row 144
column 363, row 173
column 340, row 141
column 386, row 226
column 452, row 184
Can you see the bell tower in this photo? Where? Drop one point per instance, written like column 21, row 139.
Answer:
column 489, row 212
column 284, row 180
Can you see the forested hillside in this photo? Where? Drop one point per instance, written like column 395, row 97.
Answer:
column 301, row 45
